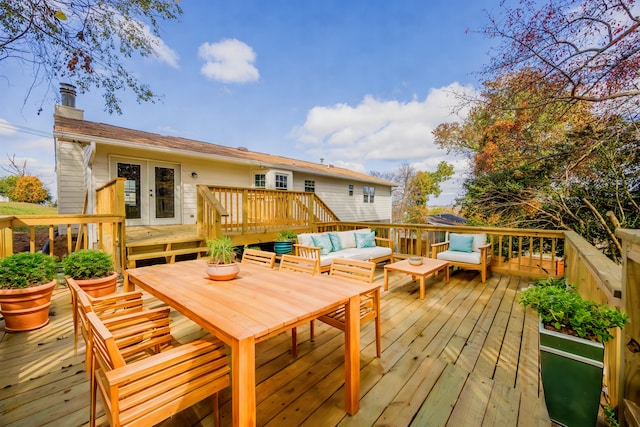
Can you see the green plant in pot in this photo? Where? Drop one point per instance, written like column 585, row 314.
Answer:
column 26, row 284
column 284, row 242
column 222, row 263
column 93, row 270
column 572, row 336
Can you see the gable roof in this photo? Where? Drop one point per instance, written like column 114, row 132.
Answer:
column 70, row 129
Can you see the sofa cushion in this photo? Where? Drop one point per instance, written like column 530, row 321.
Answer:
column 457, row 256
column 347, row 239
column 478, row 240
column 365, row 254
column 304, row 239
column 323, row 242
column 365, row 240
column 460, row 242
column 325, row 260
column 335, row 241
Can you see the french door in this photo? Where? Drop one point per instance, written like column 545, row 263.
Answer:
column 151, row 191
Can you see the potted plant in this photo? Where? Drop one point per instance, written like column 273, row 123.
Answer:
column 572, row 336
column 284, row 242
column 222, row 263
column 26, row 284
column 93, row 271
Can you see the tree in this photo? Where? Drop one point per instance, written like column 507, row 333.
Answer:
column 84, row 42
column 20, row 186
column 589, row 49
column 536, row 168
column 29, row 189
column 410, row 198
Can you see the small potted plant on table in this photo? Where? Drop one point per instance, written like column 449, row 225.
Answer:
column 572, row 336
column 93, row 271
column 284, row 242
column 26, row 284
column 222, row 263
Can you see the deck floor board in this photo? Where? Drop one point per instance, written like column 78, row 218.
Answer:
column 465, row 355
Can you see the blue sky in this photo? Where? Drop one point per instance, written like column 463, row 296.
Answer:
column 360, row 84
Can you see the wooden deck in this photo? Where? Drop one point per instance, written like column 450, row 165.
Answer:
column 466, row 355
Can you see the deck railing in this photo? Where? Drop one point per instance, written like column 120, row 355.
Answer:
column 241, row 211
column 109, row 233
column 630, row 353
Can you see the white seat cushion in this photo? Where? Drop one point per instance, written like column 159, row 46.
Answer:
column 366, row 254
column 304, row 239
column 455, row 256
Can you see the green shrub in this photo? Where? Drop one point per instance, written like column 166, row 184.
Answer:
column 25, row 269
column 286, row 236
column 560, row 307
column 88, row 264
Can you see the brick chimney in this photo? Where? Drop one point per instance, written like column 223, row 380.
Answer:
column 68, row 106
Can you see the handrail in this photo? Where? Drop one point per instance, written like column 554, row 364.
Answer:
column 630, row 340
column 210, row 213
column 110, row 232
column 240, row 211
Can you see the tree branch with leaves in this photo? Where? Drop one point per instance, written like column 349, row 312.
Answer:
column 85, row 42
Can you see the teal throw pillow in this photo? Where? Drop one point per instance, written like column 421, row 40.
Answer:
column 460, row 242
column 366, row 240
column 335, row 242
column 323, row 242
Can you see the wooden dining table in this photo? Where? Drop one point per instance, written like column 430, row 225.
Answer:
column 260, row 303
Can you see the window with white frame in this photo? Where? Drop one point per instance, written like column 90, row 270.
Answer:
column 350, row 189
column 281, row 181
column 260, row 180
column 368, row 194
column 309, row 186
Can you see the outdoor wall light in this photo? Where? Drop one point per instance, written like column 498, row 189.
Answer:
column 194, row 175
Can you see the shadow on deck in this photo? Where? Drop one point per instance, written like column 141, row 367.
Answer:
column 466, row 355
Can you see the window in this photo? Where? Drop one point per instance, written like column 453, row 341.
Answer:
column 368, row 194
column 309, row 186
column 350, row 189
column 260, row 180
column 281, row 182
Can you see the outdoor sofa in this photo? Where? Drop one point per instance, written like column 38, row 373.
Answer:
column 361, row 244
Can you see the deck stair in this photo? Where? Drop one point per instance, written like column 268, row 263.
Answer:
column 165, row 246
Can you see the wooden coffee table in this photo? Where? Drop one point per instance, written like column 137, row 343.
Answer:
column 428, row 266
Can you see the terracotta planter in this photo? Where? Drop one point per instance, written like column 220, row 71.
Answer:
column 26, row 309
column 223, row 271
column 99, row 287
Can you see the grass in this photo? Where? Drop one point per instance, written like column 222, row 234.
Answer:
column 19, row 208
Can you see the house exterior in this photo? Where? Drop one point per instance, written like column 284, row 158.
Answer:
column 162, row 172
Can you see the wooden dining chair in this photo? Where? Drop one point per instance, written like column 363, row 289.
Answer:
column 304, row 265
column 363, row 271
column 258, row 257
column 105, row 306
column 299, row 264
column 150, row 390
column 138, row 334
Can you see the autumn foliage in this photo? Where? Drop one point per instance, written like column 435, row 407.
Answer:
column 29, row 189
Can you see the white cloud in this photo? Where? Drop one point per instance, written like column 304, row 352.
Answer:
column 376, row 131
column 163, row 52
column 380, row 130
column 229, row 61
column 6, row 128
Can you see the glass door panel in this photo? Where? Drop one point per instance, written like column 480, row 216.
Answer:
column 165, row 192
